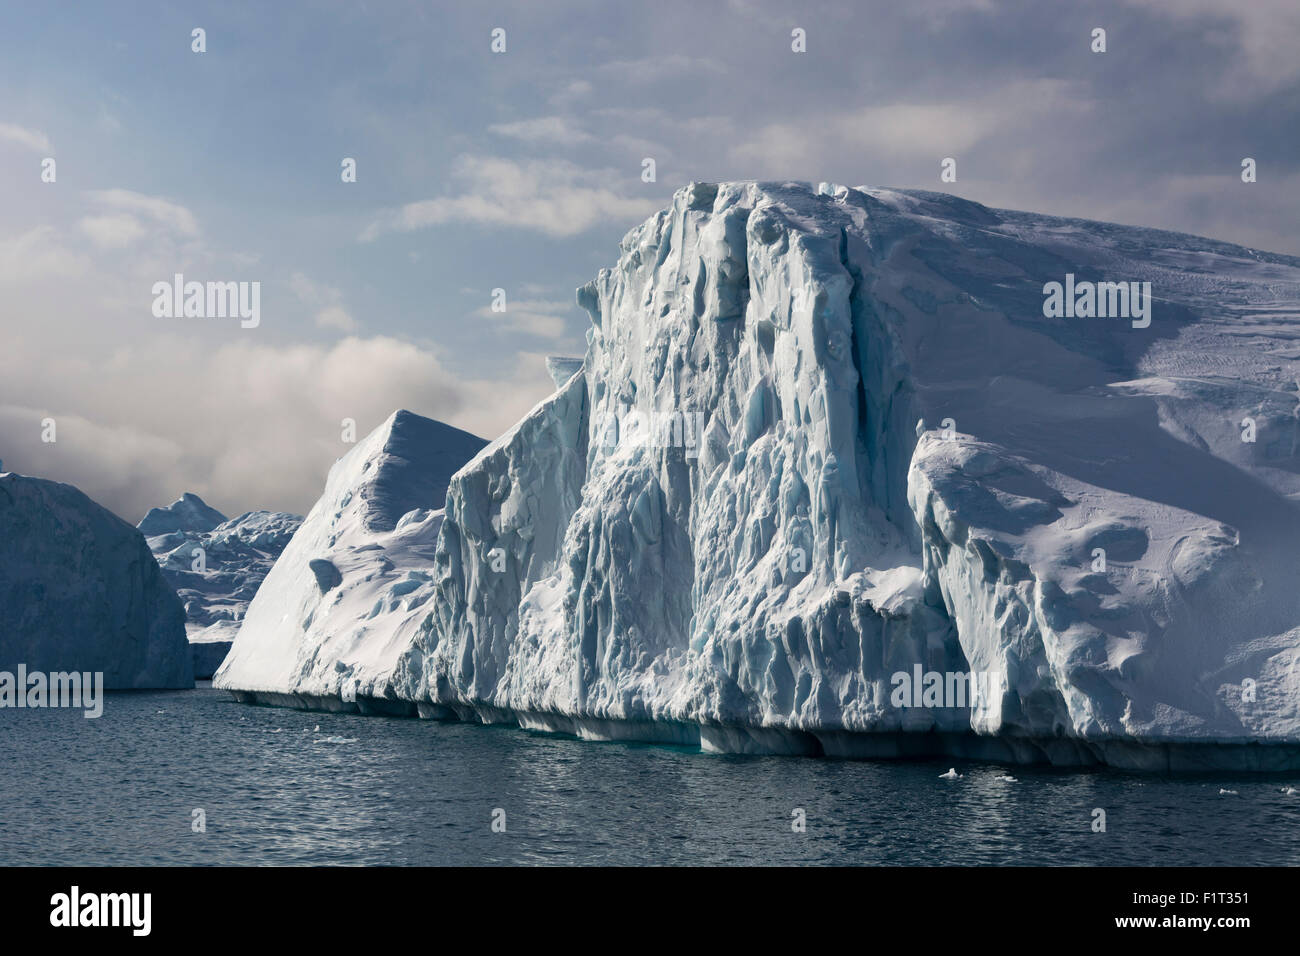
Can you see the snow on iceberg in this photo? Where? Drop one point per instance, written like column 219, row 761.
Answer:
column 80, row 591
column 189, row 512
column 343, row 600
column 216, row 566
column 822, row 438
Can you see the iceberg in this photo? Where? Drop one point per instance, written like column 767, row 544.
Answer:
column 187, row 513
column 825, row 436
column 80, row 591
column 216, row 566
column 343, row 600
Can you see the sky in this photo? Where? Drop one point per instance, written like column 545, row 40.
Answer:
column 521, row 170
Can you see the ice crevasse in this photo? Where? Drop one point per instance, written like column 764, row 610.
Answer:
column 822, row 437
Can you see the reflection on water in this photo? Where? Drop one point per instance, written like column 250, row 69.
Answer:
column 286, row 787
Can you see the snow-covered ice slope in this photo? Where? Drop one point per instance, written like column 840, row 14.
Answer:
column 216, row 566
column 341, row 603
column 823, row 437
column 80, row 591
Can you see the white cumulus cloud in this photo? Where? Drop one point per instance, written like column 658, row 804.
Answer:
column 551, row 196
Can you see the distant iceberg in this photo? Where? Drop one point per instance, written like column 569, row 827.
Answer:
column 80, row 591
column 187, row 513
column 216, row 566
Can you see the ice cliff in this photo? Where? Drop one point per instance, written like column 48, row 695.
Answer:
column 823, row 437
column 216, row 566
column 80, row 591
column 344, row 599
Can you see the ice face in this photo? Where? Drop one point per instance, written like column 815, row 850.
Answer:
column 825, row 437
column 80, row 591
column 723, row 559
column 498, row 549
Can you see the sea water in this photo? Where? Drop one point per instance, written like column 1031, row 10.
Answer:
column 193, row 777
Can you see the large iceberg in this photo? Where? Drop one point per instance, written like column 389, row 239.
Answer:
column 216, row 566
column 80, row 591
column 343, row 601
column 831, row 448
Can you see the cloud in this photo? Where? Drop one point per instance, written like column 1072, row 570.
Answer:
column 652, row 69
column 1267, row 33
column 941, row 13
column 326, row 301
column 164, row 212
column 914, row 130
column 568, row 131
column 543, row 129
column 554, row 197
column 542, row 318
column 112, row 231
column 110, row 459
column 245, row 425
column 335, row 317
column 147, row 409
column 570, row 92
column 31, row 138
column 38, row 253
column 126, row 218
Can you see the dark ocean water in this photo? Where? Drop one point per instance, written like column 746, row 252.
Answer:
column 370, row 790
